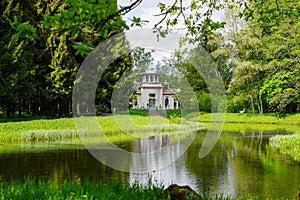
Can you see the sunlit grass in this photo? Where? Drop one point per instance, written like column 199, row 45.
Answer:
column 76, row 189
column 37, row 129
column 276, row 128
column 122, row 126
column 83, row 189
column 256, row 118
column 129, row 126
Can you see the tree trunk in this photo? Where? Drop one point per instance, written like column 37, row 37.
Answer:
column 251, row 96
column 258, row 105
column 33, row 107
column 28, row 107
column 9, row 111
column 8, row 114
column 261, row 105
column 20, row 108
column 261, row 110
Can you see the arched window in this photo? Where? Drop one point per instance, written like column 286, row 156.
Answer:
column 166, row 102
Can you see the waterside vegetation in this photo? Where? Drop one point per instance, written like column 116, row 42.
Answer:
column 65, row 128
column 113, row 126
column 39, row 189
column 287, row 144
column 249, row 118
column 77, row 189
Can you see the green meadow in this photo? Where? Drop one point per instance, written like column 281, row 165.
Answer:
column 117, row 126
column 65, row 128
column 289, row 119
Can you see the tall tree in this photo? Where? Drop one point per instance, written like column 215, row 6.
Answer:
column 277, row 52
column 48, row 41
column 18, row 59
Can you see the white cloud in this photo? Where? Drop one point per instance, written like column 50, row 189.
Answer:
column 147, row 11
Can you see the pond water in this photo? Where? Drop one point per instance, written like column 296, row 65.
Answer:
column 240, row 164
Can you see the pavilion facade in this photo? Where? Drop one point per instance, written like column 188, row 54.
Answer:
column 154, row 94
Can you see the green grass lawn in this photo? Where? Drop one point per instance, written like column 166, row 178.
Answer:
column 256, row 118
column 35, row 190
column 36, row 129
column 65, row 128
column 237, row 127
column 115, row 127
column 32, row 189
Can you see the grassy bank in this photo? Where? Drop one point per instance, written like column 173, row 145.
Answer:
column 255, row 119
column 32, row 189
column 38, row 129
column 276, row 128
column 65, row 128
column 77, row 189
column 116, row 127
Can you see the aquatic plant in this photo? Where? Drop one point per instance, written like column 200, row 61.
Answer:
column 287, row 144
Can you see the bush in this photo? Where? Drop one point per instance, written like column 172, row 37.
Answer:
column 236, row 103
column 204, row 101
column 141, row 112
column 173, row 113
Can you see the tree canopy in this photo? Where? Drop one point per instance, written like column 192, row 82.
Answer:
column 267, row 57
column 43, row 43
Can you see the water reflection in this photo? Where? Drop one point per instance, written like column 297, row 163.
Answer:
column 158, row 151
column 170, row 174
column 240, row 164
column 144, row 145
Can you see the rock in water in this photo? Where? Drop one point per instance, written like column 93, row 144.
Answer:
column 177, row 192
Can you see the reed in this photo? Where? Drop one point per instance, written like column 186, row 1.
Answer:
column 287, row 144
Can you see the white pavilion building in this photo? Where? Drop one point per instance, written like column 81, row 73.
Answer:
column 153, row 94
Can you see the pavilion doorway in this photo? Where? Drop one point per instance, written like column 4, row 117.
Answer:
column 152, row 101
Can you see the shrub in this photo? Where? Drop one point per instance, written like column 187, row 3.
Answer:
column 173, row 113
column 141, row 112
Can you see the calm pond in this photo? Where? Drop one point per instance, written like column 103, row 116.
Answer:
column 240, row 164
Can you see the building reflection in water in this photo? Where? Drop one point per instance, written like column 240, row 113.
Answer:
column 172, row 173
column 209, row 175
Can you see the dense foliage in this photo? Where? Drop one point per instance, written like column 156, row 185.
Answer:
column 44, row 42
column 266, row 54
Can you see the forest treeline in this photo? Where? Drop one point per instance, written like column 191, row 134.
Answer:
column 43, row 43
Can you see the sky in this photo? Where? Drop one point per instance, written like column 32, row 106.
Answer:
column 147, row 11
